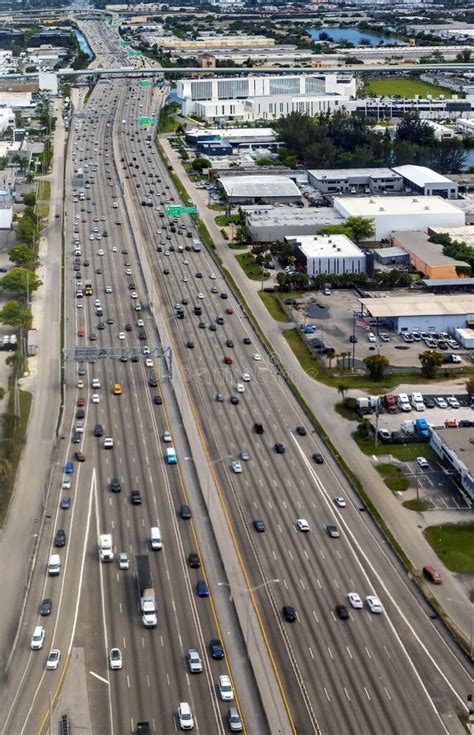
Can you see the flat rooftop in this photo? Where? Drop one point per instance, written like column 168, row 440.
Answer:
column 347, row 173
column 417, row 243
column 421, row 175
column 259, row 186
column 230, row 133
column 280, row 216
column 372, row 206
column 423, row 305
column 325, row 246
column 463, row 234
column 460, row 441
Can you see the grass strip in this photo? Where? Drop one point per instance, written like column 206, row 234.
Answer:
column 454, row 544
column 273, row 304
column 249, row 266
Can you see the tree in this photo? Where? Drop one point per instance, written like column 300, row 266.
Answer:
column 464, row 56
column 200, row 163
column 430, row 360
column 26, row 230
column 362, row 228
column 184, row 154
column 376, row 365
column 364, row 429
column 15, row 315
column 413, row 130
column 22, row 255
column 342, row 389
column 20, row 281
column 470, row 386
column 242, row 235
column 29, row 199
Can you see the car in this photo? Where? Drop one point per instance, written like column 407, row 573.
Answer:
column 194, row 661
column 80, row 414
column 37, row 639
column 279, row 448
column 66, row 483
column 157, row 400
column 185, row 512
column 234, row 721
column 229, row 343
column 100, row 326
column 429, row 403
column 452, row 401
column 115, row 485
column 65, row 503
column 342, row 612
column 123, row 560
column 201, row 588
column 234, row 400
column 228, row 360
column 257, row 357
column 385, row 337
column 193, row 560
column 353, row 339
column 46, row 606
column 121, row 335
column 246, row 377
column 98, row 430
column 229, row 310
column 332, row 531
column 247, row 341
column 60, row 538
column 355, row 600
column 166, row 436
column 95, row 398
column 422, row 462
column 185, row 716
column 190, row 344
column 52, row 662
column 240, row 388
column 81, row 333
column 340, row 502
column 301, row 431
column 80, row 456
column 95, row 383
column 258, row 428
column 244, row 455
column 115, row 659
column 135, row 497
column 318, row 458
column 259, row 525
column 302, row 525
column 371, row 337
column 374, row 604
column 216, row 649
column 128, row 327
column 440, row 402
column 108, row 442
column 236, row 467
column 224, row 686
column 289, row 613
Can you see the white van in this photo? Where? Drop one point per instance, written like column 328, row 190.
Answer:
column 54, row 565
column 155, row 538
column 403, row 402
column 417, row 402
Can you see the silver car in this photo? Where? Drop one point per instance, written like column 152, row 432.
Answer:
column 194, row 661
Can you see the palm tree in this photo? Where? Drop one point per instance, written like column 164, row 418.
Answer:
column 330, row 355
column 342, row 388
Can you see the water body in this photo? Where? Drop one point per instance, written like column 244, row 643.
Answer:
column 354, row 36
column 83, row 45
column 469, row 158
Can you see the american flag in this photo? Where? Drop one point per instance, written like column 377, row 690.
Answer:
column 363, row 324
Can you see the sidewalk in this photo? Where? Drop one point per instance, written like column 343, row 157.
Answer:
column 406, row 526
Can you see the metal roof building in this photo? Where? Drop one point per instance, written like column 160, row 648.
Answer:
column 345, row 180
column 456, row 447
column 423, row 313
column 423, row 180
column 427, row 257
column 255, row 189
column 272, row 224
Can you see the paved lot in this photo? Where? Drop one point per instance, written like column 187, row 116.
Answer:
column 436, row 417
column 436, row 486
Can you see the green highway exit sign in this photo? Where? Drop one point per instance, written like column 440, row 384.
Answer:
column 177, row 211
column 147, row 120
column 145, row 83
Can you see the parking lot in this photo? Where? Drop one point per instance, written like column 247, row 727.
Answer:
column 333, row 318
column 436, row 486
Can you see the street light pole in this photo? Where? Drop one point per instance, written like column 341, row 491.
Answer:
column 249, row 591
column 34, row 535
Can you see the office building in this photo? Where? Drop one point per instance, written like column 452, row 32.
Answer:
column 423, row 180
column 327, row 254
column 355, row 180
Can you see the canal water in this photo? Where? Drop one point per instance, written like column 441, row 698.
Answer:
column 354, row 36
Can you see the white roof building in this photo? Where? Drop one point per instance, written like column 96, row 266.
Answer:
column 401, row 212
column 427, row 313
column 327, row 254
column 254, row 189
column 425, row 181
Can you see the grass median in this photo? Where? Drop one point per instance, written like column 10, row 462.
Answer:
column 273, row 304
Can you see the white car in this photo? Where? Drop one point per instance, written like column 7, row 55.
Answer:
column 236, row 467
column 79, row 305
column 114, row 249
column 37, row 639
column 194, row 661
column 134, row 295
column 128, row 272
column 100, row 252
column 108, row 442
column 95, row 398
column 115, row 658
column 91, row 237
column 185, row 261
column 422, row 462
column 200, row 295
column 98, row 236
column 340, row 502
column 371, row 337
column 246, row 377
column 185, row 716
column 257, row 357
column 66, row 485
column 95, row 383
column 140, row 323
column 440, row 402
column 149, row 362
column 225, row 688
column 121, row 335
column 108, row 289
column 166, row 436
column 212, row 276
column 302, row 525
column 80, row 384
column 374, row 604
column 52, row 662
column 146, row 351
column 240, row 388
column 185, row 279
column 452, row 402
column 355, row 600
column 124, row 562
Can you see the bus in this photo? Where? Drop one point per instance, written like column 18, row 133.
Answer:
column 88, row 288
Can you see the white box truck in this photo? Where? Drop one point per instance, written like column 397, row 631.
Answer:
column 106, row 552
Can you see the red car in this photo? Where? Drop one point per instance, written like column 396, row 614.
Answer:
column 80, row 457
column 81, row 333
column 81, row 402
column 229, row 310
column 228, row 360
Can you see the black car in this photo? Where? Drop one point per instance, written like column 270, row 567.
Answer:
column 194, row 560
column 429, row 403
column 342, row 612
column 152, row 381
column 92, row 337
column 60, row 538
column 80, row 413
column 98, row 430
column 220, row 320
column 115, row 485
column 198, row 274
column 46, row 606
column 131, row 287
column 190, row 344
column 157, row 400
column 289, row 613
column 216, row 649
column 142, row 334
column 135, row 497
column 166, row 271
column 185, row 512
column 280, row 448
column 212, row 327
column 110, row 320
column 197, row 311
column 224, row 295
column 229, row 343
column 259, row 526
column 128, row 327
column 101, row 326
column 76, row 438
column 258, row 428
column 202, row 325
column 318, row 458
column 234, row 400
column 247, row 341
column 301, row 431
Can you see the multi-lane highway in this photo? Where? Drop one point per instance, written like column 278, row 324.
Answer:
column 388, row 672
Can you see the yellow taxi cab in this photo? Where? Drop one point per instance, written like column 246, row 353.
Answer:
column 117, row 389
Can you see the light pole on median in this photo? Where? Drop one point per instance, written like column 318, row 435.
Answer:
column 208, row 483
column 27, row 560
column 249, row 591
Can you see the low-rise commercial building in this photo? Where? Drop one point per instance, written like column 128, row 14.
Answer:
column 396, row 213
column 428, row 257
column 273, row 224
column 256, row 189
column 424, row 313
column 239, row 138
column 455, row 447
column 423, row 180
column 354, row 180
column 327, row 254
column 438, row 108
column 391, row 256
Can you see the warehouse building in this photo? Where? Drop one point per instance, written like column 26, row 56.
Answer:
column 427, row 257
column 355, row 180
column 422, row 180
column 259, row 189
column 426, row 313
column 391, row 256
column 273, row 224
column 398, row 213
column 327, row 254
column 455, row 447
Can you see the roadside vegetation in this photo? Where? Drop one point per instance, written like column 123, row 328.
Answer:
column 273, row 304
column 393, row 477
column 454, row 544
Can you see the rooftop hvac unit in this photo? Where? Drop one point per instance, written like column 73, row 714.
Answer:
column 426, row 208
column 381, row 209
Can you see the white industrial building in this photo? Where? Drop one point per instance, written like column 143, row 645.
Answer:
column 16, row 99
column 273, row 224
column 401, row 212
column 455, row 448
column 256, row 189
column 465, row 125
column 355, row 180
column 424, row 313
column 264, row 97
column 7, row 118
column 423, row 180
column 6, row 214
column 327, row 254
